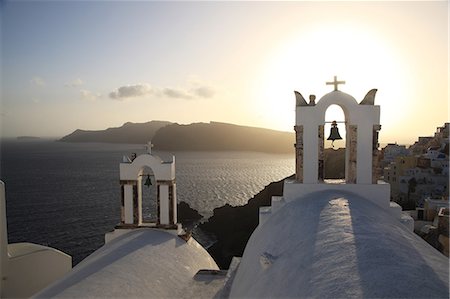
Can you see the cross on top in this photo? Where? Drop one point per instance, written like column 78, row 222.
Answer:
column 335, row 83
column 149, row 147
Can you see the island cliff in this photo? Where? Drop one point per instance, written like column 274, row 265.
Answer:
column 216, row 136
column 211, row 136
column 127, row 133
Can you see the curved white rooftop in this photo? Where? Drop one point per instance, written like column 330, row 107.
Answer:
column 334, row 244
column 143, row 263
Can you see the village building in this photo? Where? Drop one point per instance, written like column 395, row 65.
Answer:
column 419, row 182
column 432, row 207
column 396, row 169
column 392, row 151
column 414, row 177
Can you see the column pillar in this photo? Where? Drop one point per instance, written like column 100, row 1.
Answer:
column 321, row 154
column 299, row 153
column 350, row 168
column 167, row 205
column 375, row 154
column 173, row 203
column 129, row 213
column 136, row 205
column 163, row 204
column 139, row 200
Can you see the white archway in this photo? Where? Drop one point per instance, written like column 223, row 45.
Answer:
column 333, row 113
column 148, row 193
column 362, row 122
column 131, row 176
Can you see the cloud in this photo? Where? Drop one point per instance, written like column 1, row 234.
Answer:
column 75, row 83
column 131, row 91
column 203, row 92
column 196, row 90
column 89, row 95
column 176, row 93
column 38, row 81
column 35, row 100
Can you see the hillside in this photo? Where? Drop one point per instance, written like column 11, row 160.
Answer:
column 211, row 136
column 216, row 136
column 128, row 133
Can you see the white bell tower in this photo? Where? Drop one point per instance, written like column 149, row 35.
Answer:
column 362, row 123
column 131, row 173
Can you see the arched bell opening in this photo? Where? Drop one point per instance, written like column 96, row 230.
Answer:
column 147, row 191
column 332, row 148
column 334, row 113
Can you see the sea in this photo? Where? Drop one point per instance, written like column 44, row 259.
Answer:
column 67, row 195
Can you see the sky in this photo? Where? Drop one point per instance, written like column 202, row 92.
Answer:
column 68, row 65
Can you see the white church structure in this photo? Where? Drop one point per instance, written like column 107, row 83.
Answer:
column 131, row 177
column 362, row 124
column 321, row 239
column 328, row 239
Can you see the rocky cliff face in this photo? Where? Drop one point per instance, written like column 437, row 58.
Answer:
column 233, row 226
column 139, row 133
column 216, row 136
column 187, row 216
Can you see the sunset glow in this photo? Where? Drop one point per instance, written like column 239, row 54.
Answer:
column 237, row 62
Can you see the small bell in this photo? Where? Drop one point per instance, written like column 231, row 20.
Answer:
column 148, row 181
column 334, row 133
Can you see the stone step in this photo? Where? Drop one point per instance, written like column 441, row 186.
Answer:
column 264, row 214
column 277, row 203
column 394, row 209
column 407, row 220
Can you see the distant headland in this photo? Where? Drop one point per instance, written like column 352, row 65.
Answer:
column 127, row 133
column 28, row 138
column 213, row 136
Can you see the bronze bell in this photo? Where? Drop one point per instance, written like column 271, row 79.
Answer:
column 334, row 133
column 148, row 181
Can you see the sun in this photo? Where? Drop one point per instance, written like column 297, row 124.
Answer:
column 305, row 60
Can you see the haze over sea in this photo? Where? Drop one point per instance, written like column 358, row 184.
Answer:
column 67, row 195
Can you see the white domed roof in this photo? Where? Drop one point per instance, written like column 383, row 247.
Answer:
column 142, row 263
column 333, row 244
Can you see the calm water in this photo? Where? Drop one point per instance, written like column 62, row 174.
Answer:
column 67, row 195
